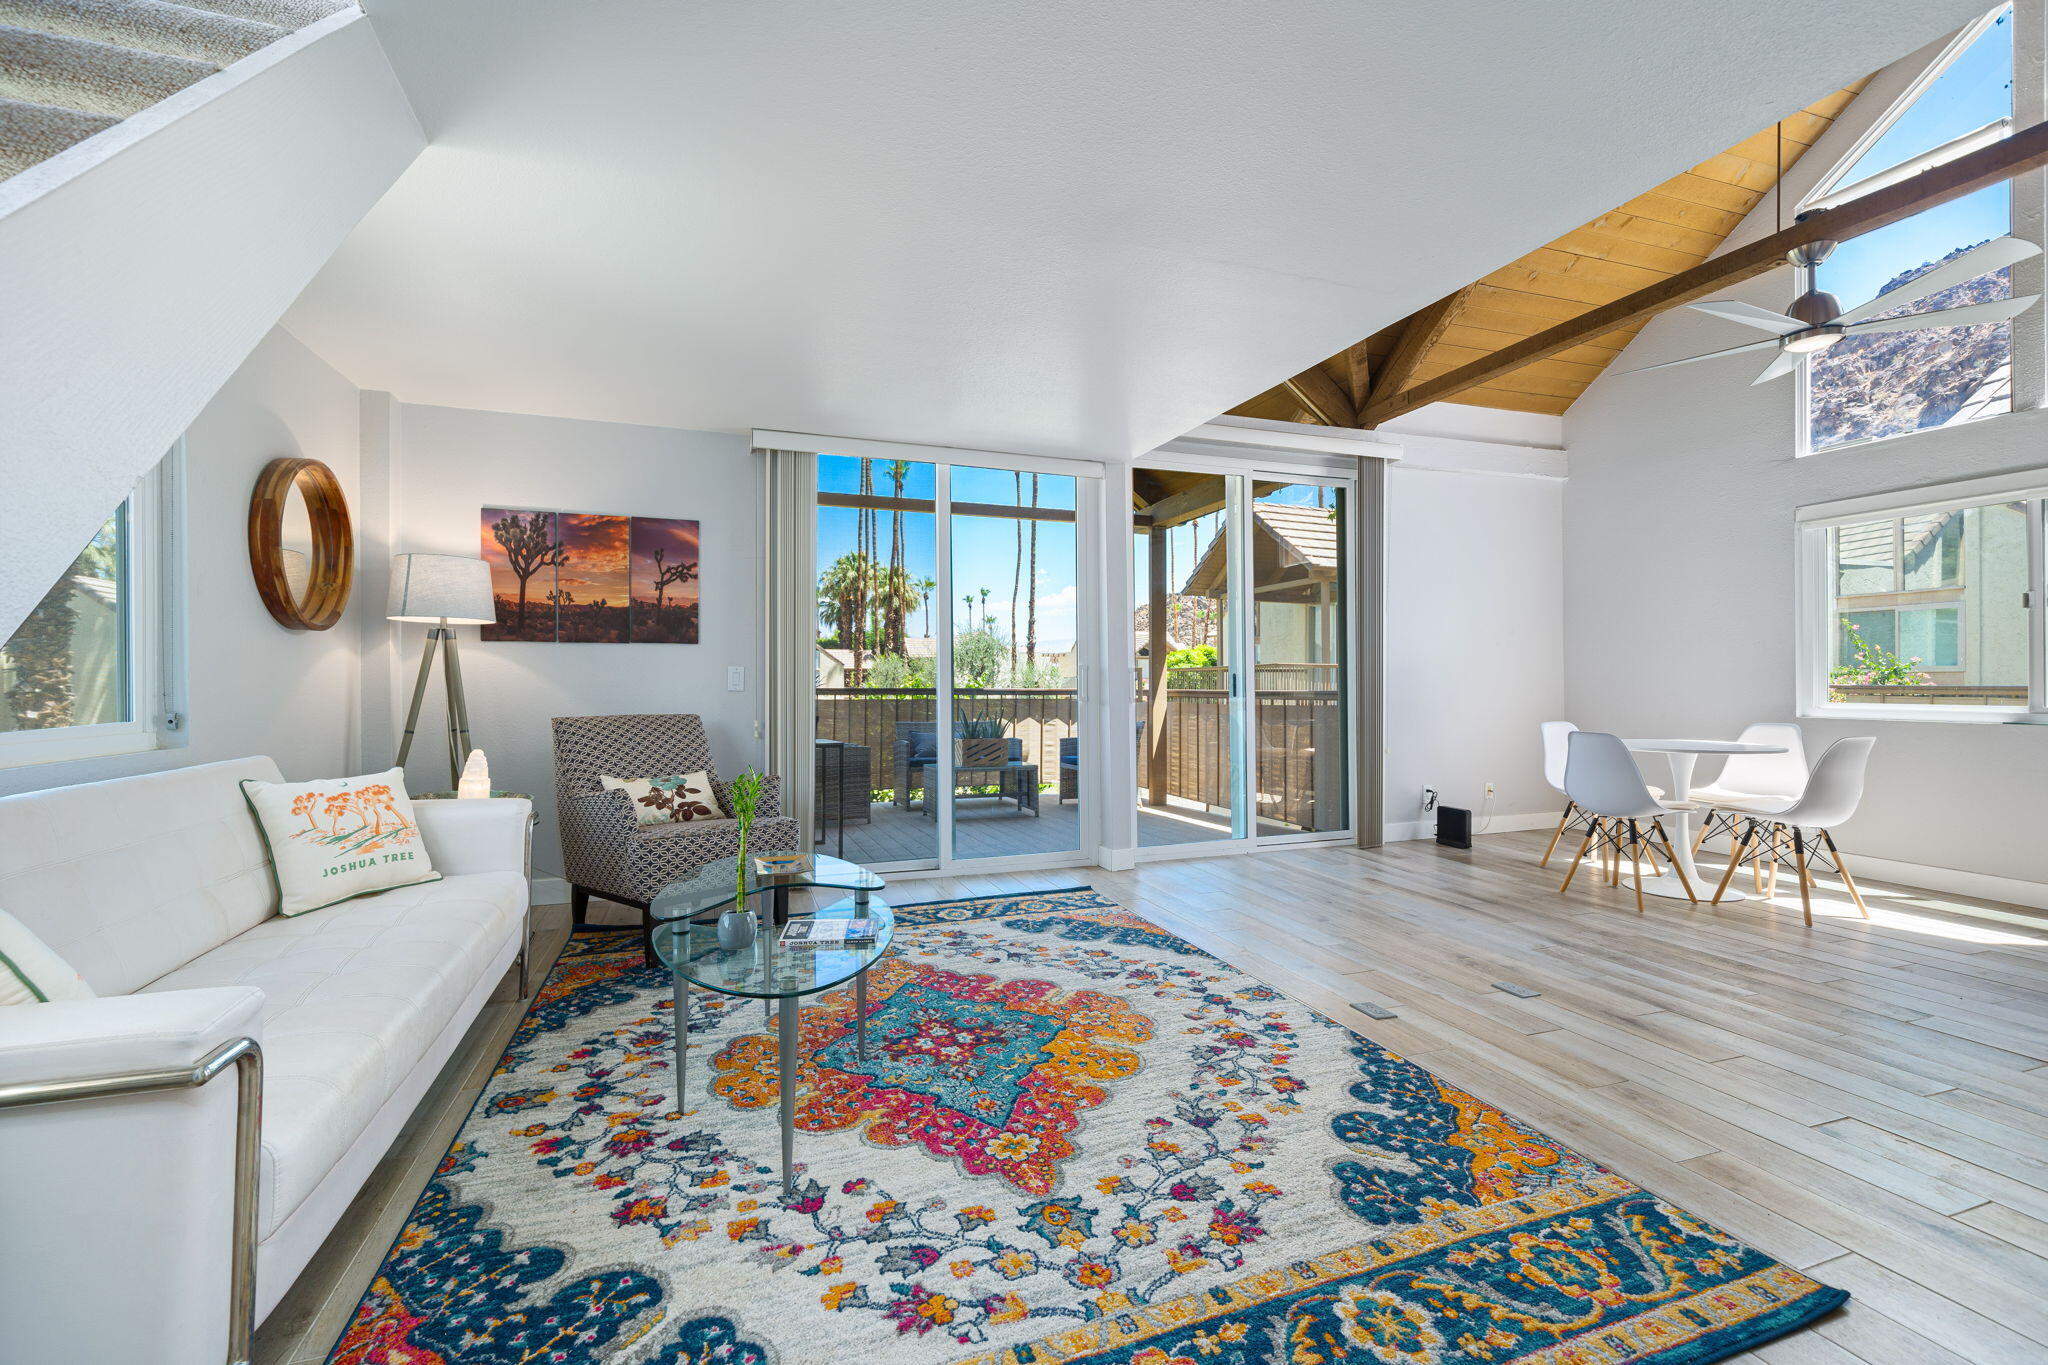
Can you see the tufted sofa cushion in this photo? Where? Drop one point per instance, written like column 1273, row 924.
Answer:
column 128, row 879
column 353, row 996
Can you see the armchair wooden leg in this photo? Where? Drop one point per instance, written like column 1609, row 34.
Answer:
column 1558, row 833
column 1579, row 857
column 1734, row 861
column 579, row 905
column 1835, row 854
column 1635, row 846
column 1683, row 880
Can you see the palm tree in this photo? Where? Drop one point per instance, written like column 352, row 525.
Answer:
column 892, row 632
column 925, row 588
column 1016, row 570
column 986, row 620
column 1031, row 601
column 842, row 599
column 895, row 598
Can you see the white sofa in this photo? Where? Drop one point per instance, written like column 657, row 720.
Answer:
column 115, row 1213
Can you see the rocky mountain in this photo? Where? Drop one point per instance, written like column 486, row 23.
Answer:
column 1893, row 382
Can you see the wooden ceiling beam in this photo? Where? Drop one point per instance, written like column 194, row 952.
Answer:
column 1991, row 165
column 1421, row 333
column 1325, row 397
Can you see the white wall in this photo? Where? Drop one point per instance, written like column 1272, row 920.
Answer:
column 253, row 686
column 1474, row 617
column 442, row 466
column 1679, row 572
column 141, row 267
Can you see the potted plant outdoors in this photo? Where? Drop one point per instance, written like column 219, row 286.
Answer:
column 981, row 743
column 736, row 927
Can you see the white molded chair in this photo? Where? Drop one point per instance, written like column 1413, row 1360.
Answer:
column 1556, row 748
column 1833, row 791
column 1601, row 778
column 1753, row 784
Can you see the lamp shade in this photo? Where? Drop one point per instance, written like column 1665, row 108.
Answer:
column 450, row 590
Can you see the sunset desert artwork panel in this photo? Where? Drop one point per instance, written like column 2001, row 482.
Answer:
column 592, row 584
column 591, row 577
column 664, row 581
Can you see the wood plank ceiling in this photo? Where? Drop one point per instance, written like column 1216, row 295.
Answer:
column 1652, row 237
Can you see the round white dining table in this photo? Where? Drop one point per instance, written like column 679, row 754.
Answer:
column 1683, row 754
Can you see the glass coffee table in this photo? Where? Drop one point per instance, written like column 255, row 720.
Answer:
column 685, row 940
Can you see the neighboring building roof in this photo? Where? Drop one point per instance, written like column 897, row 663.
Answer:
column 1287, row 542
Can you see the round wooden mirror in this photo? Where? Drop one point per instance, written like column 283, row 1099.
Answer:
column 301, row 546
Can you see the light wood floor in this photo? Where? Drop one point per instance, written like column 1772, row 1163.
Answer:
column 1866, row 1101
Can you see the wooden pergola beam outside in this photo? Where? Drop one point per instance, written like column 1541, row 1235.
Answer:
column 2000, row 161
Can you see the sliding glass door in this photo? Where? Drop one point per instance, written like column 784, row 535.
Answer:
column 1240, row 648
column 949, row 661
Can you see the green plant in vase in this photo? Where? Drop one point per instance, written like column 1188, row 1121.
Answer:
column 743, row 794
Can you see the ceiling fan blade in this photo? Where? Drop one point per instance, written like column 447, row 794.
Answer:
column 1786, row 362
column 1749, row 315
column 1995, row 254
column 1710, row 355
column 1998, row 310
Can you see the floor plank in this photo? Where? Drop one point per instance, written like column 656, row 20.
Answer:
column 1866, row 1100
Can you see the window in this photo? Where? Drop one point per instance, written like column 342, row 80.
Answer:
column 1928, row 607
column 83, row 675
column 1890, row 383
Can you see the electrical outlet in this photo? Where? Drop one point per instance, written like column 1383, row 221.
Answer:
column 1489, row 791
column 736, row 679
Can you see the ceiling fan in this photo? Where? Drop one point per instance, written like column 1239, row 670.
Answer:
column 1816, row 320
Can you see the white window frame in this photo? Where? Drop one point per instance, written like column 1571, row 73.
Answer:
column 1815, row 636
column 153, row 597
column 1828, row 192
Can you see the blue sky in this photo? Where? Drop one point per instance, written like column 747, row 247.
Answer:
column 1976, row 89
column 984, row 548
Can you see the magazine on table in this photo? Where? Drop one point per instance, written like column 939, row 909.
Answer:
column 827, row 933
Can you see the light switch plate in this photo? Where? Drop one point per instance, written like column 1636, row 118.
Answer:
column 736, row 678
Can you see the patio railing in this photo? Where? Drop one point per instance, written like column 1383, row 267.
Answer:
column 1297, row 738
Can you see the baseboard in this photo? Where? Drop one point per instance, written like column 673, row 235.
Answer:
column 550, row 891
column 1954, row 881
column 1396, row 831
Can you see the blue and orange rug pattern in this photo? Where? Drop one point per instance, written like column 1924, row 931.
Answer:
column 1073, row 1137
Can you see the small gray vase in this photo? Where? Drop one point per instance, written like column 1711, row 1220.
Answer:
column 736, row 930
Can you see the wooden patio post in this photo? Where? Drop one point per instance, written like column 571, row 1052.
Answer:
column 1155, row 669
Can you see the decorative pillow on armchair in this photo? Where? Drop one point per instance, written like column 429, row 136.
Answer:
column 669, row 800
column 337, row 839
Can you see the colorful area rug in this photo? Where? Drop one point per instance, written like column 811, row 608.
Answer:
column 1076, row 1137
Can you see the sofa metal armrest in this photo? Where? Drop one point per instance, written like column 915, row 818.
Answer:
column 484, row 834
column 119, row 1046
column 64, row 1039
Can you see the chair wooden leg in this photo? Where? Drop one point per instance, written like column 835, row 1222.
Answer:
column 1683, row 880
column 1579, row 857
column 1635, row 848
column 1771, row 845
column 1735, row 861
column 1756, row 870
column 1850, row 882
column 1558, row 833
column 1805, row 882
column 1699, row 840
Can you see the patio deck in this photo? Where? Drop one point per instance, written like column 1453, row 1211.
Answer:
column 988, row 827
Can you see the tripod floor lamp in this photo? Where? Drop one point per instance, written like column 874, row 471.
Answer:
column 444, row 591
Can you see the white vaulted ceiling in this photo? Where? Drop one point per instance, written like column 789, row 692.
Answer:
column 1044, row 227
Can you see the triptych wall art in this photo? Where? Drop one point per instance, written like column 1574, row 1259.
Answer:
column 583, row 578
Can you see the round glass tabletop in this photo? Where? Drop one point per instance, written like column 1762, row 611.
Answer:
column 766, row 969
column 716, row 884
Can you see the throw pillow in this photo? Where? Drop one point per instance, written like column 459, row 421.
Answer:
column 334, row 840
column 30, row 972
column 669, row 800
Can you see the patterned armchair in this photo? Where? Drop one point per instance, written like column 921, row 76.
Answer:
column 605, row 850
